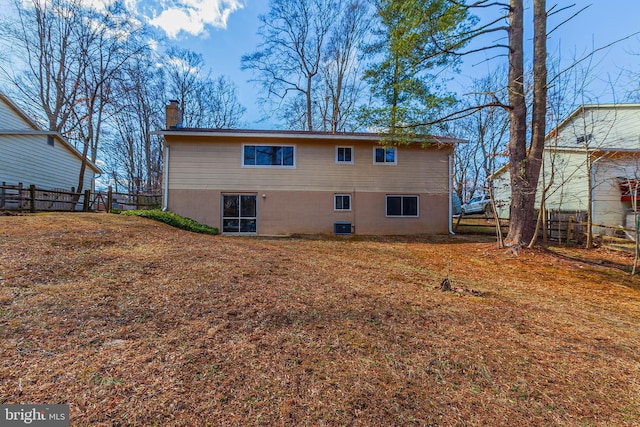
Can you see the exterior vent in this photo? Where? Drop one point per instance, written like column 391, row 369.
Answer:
column 342, row 228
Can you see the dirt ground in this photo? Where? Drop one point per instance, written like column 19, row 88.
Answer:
column 132, row 322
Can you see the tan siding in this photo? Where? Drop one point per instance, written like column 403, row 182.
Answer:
column 300, row 199
column 218, row 166
column 294, row 212
column 30, row 160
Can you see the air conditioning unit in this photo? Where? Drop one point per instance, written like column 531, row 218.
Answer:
column 342, row 228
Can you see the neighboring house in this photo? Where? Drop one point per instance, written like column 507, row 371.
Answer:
column 290, row 182
column 606, row 135
column 32, row 156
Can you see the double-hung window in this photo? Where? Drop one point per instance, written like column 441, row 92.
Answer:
column 268, row 155
column 344, row 155
column 342, row 202
column 402, row 206
column 385, row 156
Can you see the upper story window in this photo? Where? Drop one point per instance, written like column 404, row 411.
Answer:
column 384, row 155
column 344, row 155
column 268, row 155
column 50, row 140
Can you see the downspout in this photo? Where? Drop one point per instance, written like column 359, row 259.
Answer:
column 165, row 183
column 450, row 221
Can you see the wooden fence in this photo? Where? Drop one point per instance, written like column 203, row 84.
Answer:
column 565, row 227
column 562, row 227
column 33, row 199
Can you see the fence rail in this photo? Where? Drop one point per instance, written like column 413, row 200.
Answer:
column 33, row 199
column 562, row 226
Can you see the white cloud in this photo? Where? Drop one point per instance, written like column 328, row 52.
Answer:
column 194, row 16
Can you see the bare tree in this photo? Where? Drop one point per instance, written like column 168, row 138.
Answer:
column 341, row 74
column 135, row 112
column 110, row 40
column 45, row 39
column 288, row 60
column 218, row 102
column 72, row 53
column 205, row 101
column 184, row 69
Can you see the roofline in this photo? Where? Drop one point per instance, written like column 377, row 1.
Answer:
column 19, row 111
column 585, row 107
column 292, row 134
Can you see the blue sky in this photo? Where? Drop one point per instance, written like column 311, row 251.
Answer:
column 605, row 21
column 223, row 30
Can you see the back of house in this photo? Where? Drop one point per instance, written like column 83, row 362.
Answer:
column 286, row 182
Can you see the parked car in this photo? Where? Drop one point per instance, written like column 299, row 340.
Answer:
column 457, row 206
column 478, row 204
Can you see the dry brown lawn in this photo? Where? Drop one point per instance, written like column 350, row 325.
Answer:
column 132, row 322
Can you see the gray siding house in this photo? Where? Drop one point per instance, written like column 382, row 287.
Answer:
column 32, row 156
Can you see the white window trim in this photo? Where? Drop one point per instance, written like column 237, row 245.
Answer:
column 350, row 202
column 295, row 157
column 338, row 162
column 386, row 201
column 395, row 156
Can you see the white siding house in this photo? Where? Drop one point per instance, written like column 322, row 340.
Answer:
column 32, row 156
column 600, row 143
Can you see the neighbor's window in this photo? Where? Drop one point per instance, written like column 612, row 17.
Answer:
column 584, row 138
column 402, row 206
column 344, row 154
column 268, row 155
column 384, row 155
column 342, row 202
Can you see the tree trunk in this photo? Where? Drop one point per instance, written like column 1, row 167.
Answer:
column 83, row 168
column 524, row 166
column 309, row 105
column 519, row 226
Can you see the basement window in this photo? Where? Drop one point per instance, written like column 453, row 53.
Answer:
column 402, row 206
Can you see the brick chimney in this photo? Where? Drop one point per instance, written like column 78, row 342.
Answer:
column 174, row 115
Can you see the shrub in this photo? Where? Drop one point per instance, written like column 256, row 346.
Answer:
column 173, row 220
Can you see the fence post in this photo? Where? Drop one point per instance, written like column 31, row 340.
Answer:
column 570, row 229
column 2, row 195
column 87, row 200
column 32, row 196
column 109, row 199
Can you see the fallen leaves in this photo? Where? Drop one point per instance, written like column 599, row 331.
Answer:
column 132, row 322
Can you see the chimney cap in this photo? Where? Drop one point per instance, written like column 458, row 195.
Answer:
column 174, row 102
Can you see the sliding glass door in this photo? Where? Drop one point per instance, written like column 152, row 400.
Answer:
column 239, row 213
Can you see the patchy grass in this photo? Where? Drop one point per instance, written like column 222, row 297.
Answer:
column 132, row 322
